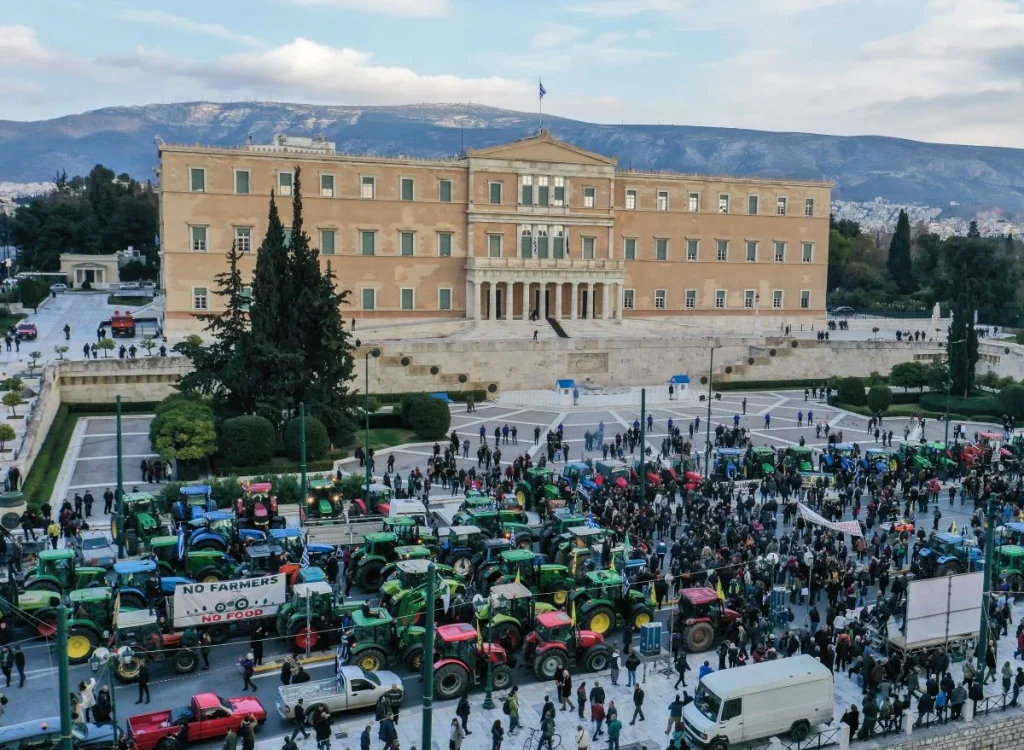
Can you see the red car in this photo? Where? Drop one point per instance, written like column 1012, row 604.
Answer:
column 208, row 717
column 27, row 331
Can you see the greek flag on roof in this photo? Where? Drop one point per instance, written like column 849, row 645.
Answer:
column 543, row 90
column 592, row 522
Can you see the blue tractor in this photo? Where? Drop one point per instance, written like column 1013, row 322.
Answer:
column 293, row 542
column 727, row 463
column 876, row 461
column 129, row 579
column 194, row 503
column 838, row 456
column 948, row 555
column 217, row 530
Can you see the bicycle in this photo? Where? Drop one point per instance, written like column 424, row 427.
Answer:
column 556, row 740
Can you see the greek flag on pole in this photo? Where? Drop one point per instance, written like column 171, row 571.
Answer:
column 542, row 90
column 305, row 554
column 181, row 542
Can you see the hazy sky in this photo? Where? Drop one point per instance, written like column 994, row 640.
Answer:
column 940, row 70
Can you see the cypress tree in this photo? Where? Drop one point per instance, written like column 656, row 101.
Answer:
column 899, row 263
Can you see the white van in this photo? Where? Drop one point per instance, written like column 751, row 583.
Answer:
column 408, row 509
column 759, row 701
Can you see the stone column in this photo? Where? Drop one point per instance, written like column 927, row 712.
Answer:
column 526, row 300
column 477, row 297
column 542, row 304
column 575, row 300
column 591, row 300
column 509, row 288
column 606, row 299
column 558, row 300
column 493, row 301
column 620, row 295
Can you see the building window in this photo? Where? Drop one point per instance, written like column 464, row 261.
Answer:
column 494, row 245
column 246, row 297
column 694, row 203
column 408, row 299
column 628, row 297
column 542, row 242
column 199, row 298
column 752, row 206
column 368, row 243
column 629, row 248
column 444, row 244
column 692, row 249
column 243, row 239
column 748, row 299
column 630, row 200
column 589, row 197
column 558, row 240
column 780, row 252
column 444, row 299
column 368, row 187
column 242, row 181
column 199, row 240
column 198, row 179
column 691, row 299
column 559, row 191
column 808, row 252
column 284, row 183
column 369, row 299
column 719, row 299
column 751, row 251
column 805, row 299
column 780, row 205
column 406, row 240
column 808, row 206
column 526, row 242
column 777, row 299
column 527, row 199
column 327, row 241
column 663, row 200
column 407, row 189
column 287, row 236
column 444, row 191
column 542, row 190
column 659, row 299
column 723, row 251
column 588, row 248
column 661, row 249
column 495, row 190
column 327, row 186
column 723, row 203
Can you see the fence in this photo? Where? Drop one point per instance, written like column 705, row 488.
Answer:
column 815, row 740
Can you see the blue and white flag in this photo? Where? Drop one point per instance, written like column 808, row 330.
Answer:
column 305, row 558
column 583, row 492
column 542, row 90
column 181, row 542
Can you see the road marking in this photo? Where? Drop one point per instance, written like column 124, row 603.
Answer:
column 114, row 457
column 110, row 434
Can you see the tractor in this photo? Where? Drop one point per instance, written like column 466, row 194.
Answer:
column 488, row 561
column 702, row 618
column 261, row 560
column 139, row 631
column 379, row 641
column 58, row 572
column 727, row 463
column 217, row 530
column 914, row 458
column 838, row 456
column 411, row 552
column 941, row 458
column 199, row 564
column 460, row 661
column 324, row 501
column 409, row 572
column 499, row 523
column 877, row 460
column 408, row 530
column 377, row 504
column 257, row 507
column 129, row 578
column 575, row 548
column 611, row 472
column 555, row 525
column 604, row 601
column 142, row 521
column 515, row 608
column 538, row 492
column 459, row 547
column 523, row 566
column 92, row 614
column 758, row 462
column 799, row 458
column 379, row 549
column 948, row 555
column 575, row 472
column 409, row 602
column 652, row 476
column 556, row 642
column 195, row 501
column 1011, row 567
column 311, row 613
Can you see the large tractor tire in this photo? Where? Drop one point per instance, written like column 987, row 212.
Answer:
column 451, row 681
column 559, row 592
column 43, row 584
column 508, row 633
column 127, row 670
column 168, row 743
column 210, row 544
column 951, row 568
column 462, row 564
column 524, row 495
column 641, row 615
column 209, row 575
column 131, row 542
column 218, row 633
column 369, row 576
column 699, row 637
column 546, row 664
column 412, row 657
column 186, row 660
column 371, row 659
column 501, row 677
column 600, row 619
column 302, row 637
column 595, row 658
column 81, row 643
column 44, row 621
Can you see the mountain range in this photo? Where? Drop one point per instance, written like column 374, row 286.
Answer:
column 959, row 179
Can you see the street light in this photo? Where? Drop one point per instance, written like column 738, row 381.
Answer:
column 949, row 382
column 707, row 427
column 100, row 659
column 493, row 605
column 366, row 412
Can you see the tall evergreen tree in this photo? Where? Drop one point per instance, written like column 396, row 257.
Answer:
column 900, row 265
column 957, row 347
column 973, row 231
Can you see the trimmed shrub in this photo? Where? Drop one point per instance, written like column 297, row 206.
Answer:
column 851, row 391
column 427, row 416
column 1011, row 401
column 247, row 440
column 386, row 419
column 318, row 443
column 879, row 398
column 973, row 406
column 344, row 432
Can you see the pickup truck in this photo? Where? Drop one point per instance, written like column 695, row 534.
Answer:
column 353, row 687
column 208, row 716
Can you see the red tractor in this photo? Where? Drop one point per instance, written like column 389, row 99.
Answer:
column 257, row 508
column 462, row 661
column 122, row 324
column 556, row 642
column 703, row 618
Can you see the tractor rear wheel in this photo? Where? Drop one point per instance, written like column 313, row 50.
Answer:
column 699, row 637
column 462, row 564
column 642, row 615
column 131, row 539
column 451, row 681
column 412, row 657
column 369, row 576
column 600, row 619
column 217, row 633
column 501, row 677
column 43, row 584
column 559, row 593
column 209, row 544
column 210, row 575
column 303, row 637
column 185, row 661
column 44, row 621
column 508, row 633
column 546, row 664
column 127, row 670
column 371, row 659
column 951, row 568
column 595, row 658
column 80, row 645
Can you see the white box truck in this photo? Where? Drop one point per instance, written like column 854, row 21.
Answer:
column 758, row 701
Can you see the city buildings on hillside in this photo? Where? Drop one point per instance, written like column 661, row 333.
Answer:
column 534, row 226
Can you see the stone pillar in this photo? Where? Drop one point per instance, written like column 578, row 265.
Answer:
column 493, row 301
column 558, row 300
column 509, row 289
column 542, row 304
column 477, row 297
column 620, row 295
column 591, row 300
column 526, row 300
column 575, row 300
column 606, row 298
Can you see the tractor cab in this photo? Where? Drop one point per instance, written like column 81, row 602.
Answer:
column 942, row 458
column 208, row 565
column 1011, row 566
column 291, row 541
column 262, row 560
column 606, row 598
column 576, row 546
column 58, row 571
column 193, row 503
column 217, row 530
column 575, row 472
column 913, row 456
column 95, row 604
column 948, row 554
column 877, row 460
column 1013, row 533
column 142, row 520
column 612, row 472
column 703, row 617
column 538, row 492
column 633, row 566
column 257, row 507
column 652, row 472
column 759, row 462
column 459, row 546
column 727, row 463
column 408, row 530
column 800, row 458
column 164, row 549
column 376, row 501
column 476, row 500
column 324, row 500
column 129, row 578
column 551, row 581
column 839, row 456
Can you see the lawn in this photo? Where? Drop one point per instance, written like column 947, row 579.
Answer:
column 386, row 437
column 126, row 301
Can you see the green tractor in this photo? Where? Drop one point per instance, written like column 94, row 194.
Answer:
column 407, row 602
column 499, row 523
column 555, row 526
column 142, row 521
column 379, row 549
column 409, row 572
column 206, row 565
column 59, row 572
column 940, row 457
column 759, row 462
column 409, row 531
column 799, row 458
column 538, row 492
column 324, row 501
column 92, row 617
column 602, row 603
column 914, row 457
column 380, row 642
column 543, row 579
column 1011, row 567
column 311, row 613
column 514, row 607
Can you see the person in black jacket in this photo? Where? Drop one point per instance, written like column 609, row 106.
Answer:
column 299, row 718
column 638, row 703
column 143, row 681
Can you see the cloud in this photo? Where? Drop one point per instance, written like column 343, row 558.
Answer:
column 21, row 48
column 565, row 46
column 171, row 21
column 411, row 8
column 555, row 35
column 25, row 91
column 701, row 13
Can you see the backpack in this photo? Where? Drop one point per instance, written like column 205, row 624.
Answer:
column 506, row 708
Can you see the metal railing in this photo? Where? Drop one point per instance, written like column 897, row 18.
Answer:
column 824, row 738
column 991, row 703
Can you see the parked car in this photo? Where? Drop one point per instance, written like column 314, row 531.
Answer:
column 128, row 285
column 208, row 716
column 44, row 733
column 352, row 688
column 27, row 331
column 58, row 287
column 842, row 312
column 95, row 548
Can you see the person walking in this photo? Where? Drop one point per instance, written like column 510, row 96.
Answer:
column 513, row 710
column 19, row 664
column 638, row 703
column 682, row 667
column 462, row 712
column 143, row 681
column 582, row 738
column 456, row 735
column 675, row 714
column 299, row 719
column 248, row 669
column 497, row 734
column 614, row 730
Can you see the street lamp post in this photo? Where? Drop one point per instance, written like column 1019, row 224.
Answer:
column 707, row 427
column 493, row 606
column 366, row 414
column 949, row 382
column 120, row 486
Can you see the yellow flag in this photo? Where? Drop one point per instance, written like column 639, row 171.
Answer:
column 721, row 594
column 612, row 567
column 952, row 529
column 518, row 576
column 479, row 635
column 574, row 614
column 654, row 600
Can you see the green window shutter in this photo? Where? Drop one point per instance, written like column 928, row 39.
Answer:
column 542, row 195
column 542, row 246
column 369, row 299
column 407, row 299
column 631, row 249
column 407, row 243
column 495, row 193
column 446, row 191
column 242, row 183
column 327, row 241
column 444, row 245
column 369, row 243
column 198, row 180
column 662, row 249
column 406, row 190
column 559, row 246
column 526, row 245
column 445, row 299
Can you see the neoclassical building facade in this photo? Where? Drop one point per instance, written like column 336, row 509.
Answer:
column 535, row 227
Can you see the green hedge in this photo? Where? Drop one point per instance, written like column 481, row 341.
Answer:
column 758, row 385
column 247, row 440
column 318, row 443
column 973, row 406
column 905, row 398
column 385, row 420
column 460, row 396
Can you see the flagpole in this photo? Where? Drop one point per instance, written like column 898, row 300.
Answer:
column 540, row 106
